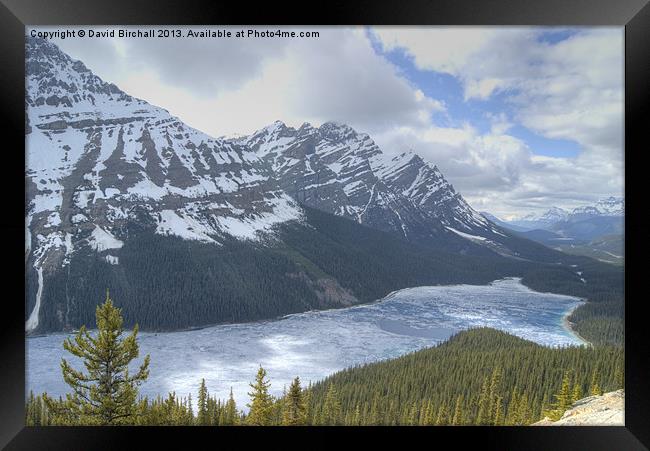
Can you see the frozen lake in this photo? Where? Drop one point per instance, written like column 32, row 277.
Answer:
column 314, row 344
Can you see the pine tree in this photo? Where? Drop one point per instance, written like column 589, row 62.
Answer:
column 429, row 415
column 495, row 382
column 332, row 407
column 261, row 405
column 595, row 389
column 278, row 407
column 457, row 419
column 356, row 416
column 619, row 377
column 375, row 414
column 414, row 415
column 441, row 418
column 294, row 408
column 190, row 411
column 498, row 411
column 231, row 417
column 523, row 412
column 513, row 405
column 564, row 396
column 482, row 415
column 422, row 421
column 31, row 415
column 308, row 406
column 202, row 417
column 106, row 394
column 543, row 406
column 576, row 393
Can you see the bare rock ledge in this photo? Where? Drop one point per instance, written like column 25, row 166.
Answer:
column 605, row 410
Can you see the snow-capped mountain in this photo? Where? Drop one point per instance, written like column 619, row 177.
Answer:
column 553, row 214
column 98, row 157
column 338, row 170
column 594, row 230
column 611, row 207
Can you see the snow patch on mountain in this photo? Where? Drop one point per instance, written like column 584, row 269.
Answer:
column 101, row 240
column 183, row 225
column 467, row 235
column 253, row 226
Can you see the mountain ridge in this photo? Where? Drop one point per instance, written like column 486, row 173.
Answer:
column 607, row 207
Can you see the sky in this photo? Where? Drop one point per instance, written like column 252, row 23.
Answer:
column 518, row 119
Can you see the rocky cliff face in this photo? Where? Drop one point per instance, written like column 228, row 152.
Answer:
column 605, row 410
column 97, row 158
column 338, row 170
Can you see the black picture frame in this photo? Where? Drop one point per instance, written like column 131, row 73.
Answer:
column 634, row 15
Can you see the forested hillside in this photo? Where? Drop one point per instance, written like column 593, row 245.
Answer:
column 479, row 376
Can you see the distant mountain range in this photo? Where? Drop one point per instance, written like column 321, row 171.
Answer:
column 594, row 230
column 611, row 207
column 186, row 229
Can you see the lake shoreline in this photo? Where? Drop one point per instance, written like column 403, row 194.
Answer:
column 568, row 325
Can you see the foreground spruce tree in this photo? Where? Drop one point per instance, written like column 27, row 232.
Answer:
column 202, row 418
column 106, row 393
column 231, row 414
column 295, row 408
column 261, row 405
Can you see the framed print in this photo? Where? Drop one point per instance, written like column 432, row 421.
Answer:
column 358, row 218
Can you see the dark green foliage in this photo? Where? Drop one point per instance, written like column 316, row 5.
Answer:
column 105, row 393
column 487, row 376
column 294, row 412
column 600, row 320
column 373, row 263
column 168, row 283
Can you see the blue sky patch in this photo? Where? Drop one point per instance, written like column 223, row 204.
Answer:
column 479, row 113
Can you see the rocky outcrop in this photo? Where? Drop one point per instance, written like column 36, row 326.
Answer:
column 604, row 410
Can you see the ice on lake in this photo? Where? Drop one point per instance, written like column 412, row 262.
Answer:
column 315, row 344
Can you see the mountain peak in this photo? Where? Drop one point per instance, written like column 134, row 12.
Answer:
column 553, row 214
column 334, row 130
column 55, row 80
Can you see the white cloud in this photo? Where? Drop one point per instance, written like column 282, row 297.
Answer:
column 237, row 86
column 441, row 49
column 569, row 90
column 499, row 173
column 482, row 89
column 572, row 90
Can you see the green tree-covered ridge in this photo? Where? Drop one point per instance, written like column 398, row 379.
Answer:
column 478, row 376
